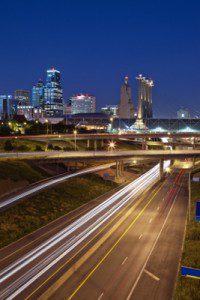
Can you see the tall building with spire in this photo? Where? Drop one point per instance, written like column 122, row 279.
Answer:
column 126, row 109
column 144, row 101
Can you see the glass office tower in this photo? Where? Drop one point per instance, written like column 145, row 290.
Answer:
column 37, row 99
column 6, row 106
column 53, row 94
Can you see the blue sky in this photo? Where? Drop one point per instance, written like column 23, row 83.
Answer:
column 95, row 43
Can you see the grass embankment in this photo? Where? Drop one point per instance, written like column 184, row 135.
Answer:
column 26, row 145
column 49, row 205
column 17, row 174
column 21, row 144
column 189, row 288
column 20, row 170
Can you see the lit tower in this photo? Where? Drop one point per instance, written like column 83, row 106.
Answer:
column 126, row 109
column 141, row 99
column 150, row 98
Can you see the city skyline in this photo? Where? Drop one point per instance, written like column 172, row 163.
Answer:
column 34, row 92
column 169, row 57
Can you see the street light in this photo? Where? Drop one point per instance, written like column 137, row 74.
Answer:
column 111, row 145
column 75, row 133
column 47, row 122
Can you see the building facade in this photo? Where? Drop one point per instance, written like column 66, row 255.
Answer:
column 53, row 94
column 126, row 109
column 82, row 104
column 22, row 97
column 37, row 99
column 111, row 110
column 6, row 106
column 26, row 111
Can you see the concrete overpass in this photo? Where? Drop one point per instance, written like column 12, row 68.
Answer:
column 118, row 156
column 108, row 136
column 104, row 155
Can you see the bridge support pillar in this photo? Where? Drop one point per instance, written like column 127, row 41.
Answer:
column 161, row 168
column 88, row 143
column 102, row 143
column 116, row 170
column 95, row 145
column 122, row 167
column 193, row 162
column 119, row 169
column 117, row 173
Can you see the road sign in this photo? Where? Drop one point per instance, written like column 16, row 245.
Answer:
column 190, row 272
column 197, row 215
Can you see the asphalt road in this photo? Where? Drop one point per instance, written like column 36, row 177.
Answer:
column 106, row 251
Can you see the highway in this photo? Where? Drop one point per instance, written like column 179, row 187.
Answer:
column 109, row 136
column 104, row 155
column 104, row 252
column 4, row 203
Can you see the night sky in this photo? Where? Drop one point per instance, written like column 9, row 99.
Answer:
column 95, row 43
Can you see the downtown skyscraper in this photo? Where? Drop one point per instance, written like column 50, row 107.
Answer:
column 53, row 94
column 37, row 99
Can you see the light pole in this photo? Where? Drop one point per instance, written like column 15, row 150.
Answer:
column 75, row 133
column 47, row 122
column 189, row 189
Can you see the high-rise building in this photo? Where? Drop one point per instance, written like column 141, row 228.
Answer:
column 144, row 101
column 37, row 99
column 22, row 97
column 5, row 106
column 183, row 113
column 53, row 94
column 111, row 110
column 82, row 104
column 126, row 109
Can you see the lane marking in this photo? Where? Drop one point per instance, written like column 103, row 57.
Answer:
column 158, row 236
column 140, row 236
column 51, row 290
column 100, row 296
column 124, row 260
column 114, row 246
column 84, row 246
column 152, row 275
column 150, row 220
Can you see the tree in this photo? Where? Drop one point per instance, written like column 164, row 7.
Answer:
column 38, row 148
column 50, row 147
column 8, row 146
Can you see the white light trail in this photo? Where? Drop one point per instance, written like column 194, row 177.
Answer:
column 50, row 183
column 123, row 196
